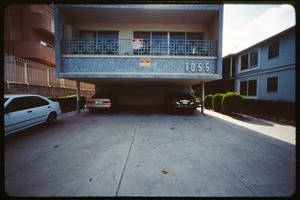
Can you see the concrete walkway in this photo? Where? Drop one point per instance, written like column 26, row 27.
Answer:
column 152, row 154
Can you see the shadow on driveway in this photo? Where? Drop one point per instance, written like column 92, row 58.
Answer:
column 249, row 119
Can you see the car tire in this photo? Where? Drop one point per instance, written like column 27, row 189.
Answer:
column 91, row 110
column 52, row 119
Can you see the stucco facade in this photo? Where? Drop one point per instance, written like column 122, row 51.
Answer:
column 118, row 47
column 266, row 70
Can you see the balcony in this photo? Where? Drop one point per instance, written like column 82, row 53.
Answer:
column 42, row 23
column 34, row 51
column 117, row 47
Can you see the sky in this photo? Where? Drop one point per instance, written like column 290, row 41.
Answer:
column 246, row 25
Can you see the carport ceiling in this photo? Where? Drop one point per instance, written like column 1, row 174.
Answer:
column 113, row 15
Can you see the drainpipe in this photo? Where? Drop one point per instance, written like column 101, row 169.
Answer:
column 77, row 96
column 202, row 97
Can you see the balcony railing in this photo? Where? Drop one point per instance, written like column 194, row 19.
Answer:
column 93, row 46
column 20, row 70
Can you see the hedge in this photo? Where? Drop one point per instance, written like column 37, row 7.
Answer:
column 208, row 101
column 68, row 103
column 216, row 102
column 271, row 109
column 232, row 102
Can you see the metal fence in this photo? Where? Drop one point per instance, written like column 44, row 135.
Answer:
column 20, row 70
column 139, row 47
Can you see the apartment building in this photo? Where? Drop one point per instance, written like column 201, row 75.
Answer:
column 29, row 32
column 139, row 52
column 266, row 70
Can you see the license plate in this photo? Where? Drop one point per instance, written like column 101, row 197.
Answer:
column 184, row 102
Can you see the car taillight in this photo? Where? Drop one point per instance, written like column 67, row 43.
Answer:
column 175, row 102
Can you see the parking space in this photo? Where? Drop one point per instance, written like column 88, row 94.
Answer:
column 151, row 154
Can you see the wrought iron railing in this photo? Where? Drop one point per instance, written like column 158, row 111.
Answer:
column 139, row 47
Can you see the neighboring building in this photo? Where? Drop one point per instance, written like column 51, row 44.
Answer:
column 29, row 32
column 266, row 70
column 29, row 53
column 140, row 52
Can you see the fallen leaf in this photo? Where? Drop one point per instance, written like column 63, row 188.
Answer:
column 164, row 171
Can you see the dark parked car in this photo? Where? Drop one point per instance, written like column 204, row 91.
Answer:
column 181, row 102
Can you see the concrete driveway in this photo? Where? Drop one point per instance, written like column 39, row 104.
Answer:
column 152, row 154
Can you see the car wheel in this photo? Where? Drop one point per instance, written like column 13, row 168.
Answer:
column 191, row 112
column 52, row 119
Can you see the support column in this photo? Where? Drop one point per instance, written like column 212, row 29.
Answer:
column 202, row 97
column 78, row 96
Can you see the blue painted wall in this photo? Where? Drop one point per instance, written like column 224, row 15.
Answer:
column 283, row 67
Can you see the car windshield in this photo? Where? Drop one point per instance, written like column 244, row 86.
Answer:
column 182, row 96
column 100, row 96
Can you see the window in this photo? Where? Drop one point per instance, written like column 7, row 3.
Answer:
column 37, row 102
column 248, row 88
column 170, row 43
column 18, row 104
column 145, row 49
column 177, row 45
column 113, row 35
column 87, row 34
column 195, row 46
column 272, row 84
column 249, row 60
column 108, row 42
column 273, row 50
column 243, row 88
column 244, row 64
column 253, row 59
column 252, row 88
column 23, row 103
column 159, row 43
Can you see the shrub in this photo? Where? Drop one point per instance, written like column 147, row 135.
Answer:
column 208, row 101
column 232, row 102
column 216, row 102
column 271, row 109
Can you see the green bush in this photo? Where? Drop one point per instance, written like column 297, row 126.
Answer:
column 208, row 101
column 216, row 102
column 232, row 102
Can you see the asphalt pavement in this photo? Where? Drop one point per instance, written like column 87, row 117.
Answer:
column 152, row 154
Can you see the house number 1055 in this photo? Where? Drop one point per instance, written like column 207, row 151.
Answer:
column 192, row 67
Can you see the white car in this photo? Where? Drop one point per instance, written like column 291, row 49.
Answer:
column 22, row 111
column 101, row 101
